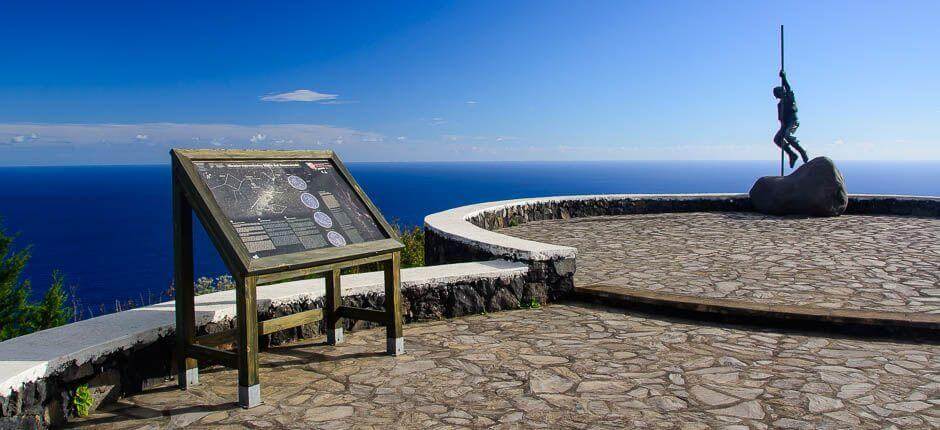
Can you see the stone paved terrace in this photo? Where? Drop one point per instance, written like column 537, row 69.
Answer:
column 565, row 366
column 859, row 262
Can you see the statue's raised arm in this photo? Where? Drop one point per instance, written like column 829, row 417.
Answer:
column 785, row 83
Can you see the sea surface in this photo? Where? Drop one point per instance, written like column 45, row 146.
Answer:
column 108, row 228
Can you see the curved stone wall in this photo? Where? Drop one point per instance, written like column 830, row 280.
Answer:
column 467, row 233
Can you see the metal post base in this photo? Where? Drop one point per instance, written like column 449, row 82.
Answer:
column 191, row 378
column 395, row 345
column 249, row 397
column 335, row 336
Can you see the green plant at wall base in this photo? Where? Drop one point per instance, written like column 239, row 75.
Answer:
column 19, row 315
column 531, row 304
column 82, row 400
column 413, row 239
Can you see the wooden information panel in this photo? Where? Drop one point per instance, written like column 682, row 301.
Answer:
column 285, row 206
column 275, row 215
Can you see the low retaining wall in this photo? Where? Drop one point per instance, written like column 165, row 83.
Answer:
column 466, row 233
column 126, row 352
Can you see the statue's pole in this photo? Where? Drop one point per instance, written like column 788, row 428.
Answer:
column 781, row 69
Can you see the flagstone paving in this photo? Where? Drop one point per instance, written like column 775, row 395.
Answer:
column 856, row 262
column 565, row 366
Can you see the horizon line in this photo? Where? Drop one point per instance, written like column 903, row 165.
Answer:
column 5, row 166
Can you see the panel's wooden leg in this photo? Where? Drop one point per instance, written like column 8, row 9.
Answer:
column 249, row 387
column 187, row 368
column 331, row 302
column 393, row 327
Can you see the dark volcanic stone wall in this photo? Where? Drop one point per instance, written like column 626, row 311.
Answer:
column 875, row 205
column 546, row 281
column 551, row 280
column 565, row 209
column 46, row 402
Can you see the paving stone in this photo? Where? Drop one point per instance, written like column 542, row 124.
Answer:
column 822, row 262
column 711, row 397
column 623, row 381
column 751, row 409
column 546, row 381
column 819, row 403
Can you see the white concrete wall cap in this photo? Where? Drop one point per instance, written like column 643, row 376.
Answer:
column 27, row 358
column 454, row 224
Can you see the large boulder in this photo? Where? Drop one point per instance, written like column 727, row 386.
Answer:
column 815, row 188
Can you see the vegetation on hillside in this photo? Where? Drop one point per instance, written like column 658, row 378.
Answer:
column 18, row 314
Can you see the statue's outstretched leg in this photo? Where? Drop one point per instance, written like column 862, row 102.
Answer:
column 781, row 140
column 792, row 141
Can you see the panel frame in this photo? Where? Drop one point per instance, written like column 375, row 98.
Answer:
column 191, row 196
column 226, row 240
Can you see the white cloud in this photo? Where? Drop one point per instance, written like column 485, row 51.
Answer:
column 299, row 96
column 21, row 138
column 471, row 102
column 181, row 135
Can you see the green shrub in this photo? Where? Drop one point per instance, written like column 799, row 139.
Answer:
column 82, row 400
column 206, row 285
column 18, row 315
column 413, row 254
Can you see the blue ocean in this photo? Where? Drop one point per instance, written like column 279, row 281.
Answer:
column 108, row 228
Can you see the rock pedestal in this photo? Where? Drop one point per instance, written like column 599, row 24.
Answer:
column 815, row 188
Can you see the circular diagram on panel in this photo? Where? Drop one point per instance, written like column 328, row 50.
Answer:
column 335, row 238
column 309, row 201
column 297, row 182
column 323, row 219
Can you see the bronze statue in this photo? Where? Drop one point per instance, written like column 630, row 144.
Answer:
column 786, row 113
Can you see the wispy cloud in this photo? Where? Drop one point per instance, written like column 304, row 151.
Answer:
column 471, row 102
column 149, row 142
column 180, row 134
column 301, row 96
column 23, row 138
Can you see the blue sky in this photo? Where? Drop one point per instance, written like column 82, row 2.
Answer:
column 119, row 83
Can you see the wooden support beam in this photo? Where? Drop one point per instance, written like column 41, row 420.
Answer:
column 332, row 301
column 247, row 320
column 215, row 339
column 373, row 315
column 225, row 358
column 290, row 321
column 393, row 317
column 264, row 327
column 187, row 368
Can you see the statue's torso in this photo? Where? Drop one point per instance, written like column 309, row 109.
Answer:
column 786, row 108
